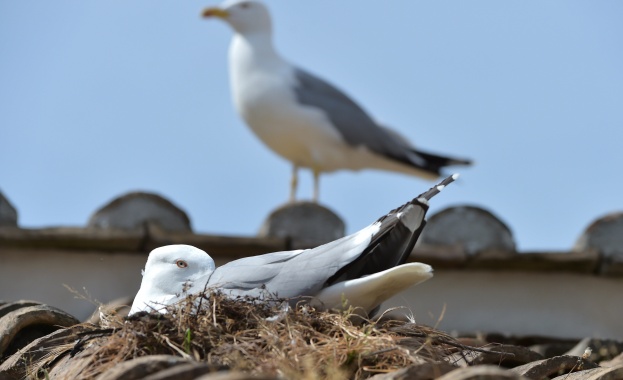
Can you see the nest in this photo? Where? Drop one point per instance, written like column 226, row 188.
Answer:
column 256, row 337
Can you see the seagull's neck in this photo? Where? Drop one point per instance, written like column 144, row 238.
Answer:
column 253, row 51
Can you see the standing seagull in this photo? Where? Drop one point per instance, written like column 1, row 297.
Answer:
column 303, row 118
column 365, row 268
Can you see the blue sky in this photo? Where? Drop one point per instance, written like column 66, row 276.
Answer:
column 100, row 98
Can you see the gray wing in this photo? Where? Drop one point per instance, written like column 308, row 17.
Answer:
column 353, row 123
column 383, row 244
column 290, row 274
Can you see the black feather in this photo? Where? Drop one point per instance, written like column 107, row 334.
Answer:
column 393, row 243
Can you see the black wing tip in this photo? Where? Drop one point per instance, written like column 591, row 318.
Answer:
column 430, row 193
column 435, row 162
column 422, row 199
column 460, row 161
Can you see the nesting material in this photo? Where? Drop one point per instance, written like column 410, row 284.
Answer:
column 258, row 338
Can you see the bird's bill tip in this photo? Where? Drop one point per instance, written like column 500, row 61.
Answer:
column 214, row 12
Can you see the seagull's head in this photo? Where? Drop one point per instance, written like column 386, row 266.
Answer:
column 176, row 268
column 244, row 16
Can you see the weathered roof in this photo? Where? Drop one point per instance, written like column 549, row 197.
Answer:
column 150, row 236
column 463, row 236
column 232, row 340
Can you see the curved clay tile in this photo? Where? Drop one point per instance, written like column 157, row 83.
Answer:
column 507, row 356
column 482, row 372
column 20, row 327
column 141, row 367
column 558, row 365
column 8, row 307
column 43, row 352
column 595, row 374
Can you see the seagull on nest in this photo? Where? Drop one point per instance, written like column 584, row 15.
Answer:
column 303, row 118
column 365, row 268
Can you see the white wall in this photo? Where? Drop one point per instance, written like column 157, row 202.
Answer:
column 524, row 303
column 39, row 275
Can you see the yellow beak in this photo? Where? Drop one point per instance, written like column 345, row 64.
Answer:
column 215, row 12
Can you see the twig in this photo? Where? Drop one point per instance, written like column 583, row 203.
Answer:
column 170, row 344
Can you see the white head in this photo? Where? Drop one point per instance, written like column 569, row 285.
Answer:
column 244, row 16
column 170, row 272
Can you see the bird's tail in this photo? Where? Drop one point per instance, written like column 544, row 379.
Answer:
column 435, row 162
column 438, row 187
column 395, row 239
column 427, row 196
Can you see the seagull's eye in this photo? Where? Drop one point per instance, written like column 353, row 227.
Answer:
column 245, row 5
column 181, row 264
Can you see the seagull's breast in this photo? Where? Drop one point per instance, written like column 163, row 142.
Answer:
column 263, row 94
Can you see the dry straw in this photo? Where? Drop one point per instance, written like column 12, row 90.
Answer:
column 258, row 337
